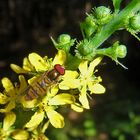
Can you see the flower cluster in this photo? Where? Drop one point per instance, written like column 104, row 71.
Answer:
column 71, row 89
column 31, row 105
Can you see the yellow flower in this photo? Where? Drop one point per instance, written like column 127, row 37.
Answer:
column 54, row 117
column 8, row 130
column 8, row 121
column 47, row 108
column 88, row 81
column 35, row 63
column 11, row 94
column 84, row 81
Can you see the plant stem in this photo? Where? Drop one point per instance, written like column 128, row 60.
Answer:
column 115, row 24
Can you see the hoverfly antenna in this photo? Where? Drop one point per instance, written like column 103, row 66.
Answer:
column 60, row 69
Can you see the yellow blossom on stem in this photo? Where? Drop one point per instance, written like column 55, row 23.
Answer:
column 8, row 121
column 11, row 93
column 8, row 131
column 88, row 81
column 84, row 81
column 35, row 63
column 47, row 108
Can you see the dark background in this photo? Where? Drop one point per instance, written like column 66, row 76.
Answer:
column 26, row 26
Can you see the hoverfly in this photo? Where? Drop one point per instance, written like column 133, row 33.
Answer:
column 42, row 84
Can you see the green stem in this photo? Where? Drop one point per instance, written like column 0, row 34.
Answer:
column 115, row 24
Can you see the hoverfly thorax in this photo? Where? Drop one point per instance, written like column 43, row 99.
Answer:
column 44, row 82
column 56, row 72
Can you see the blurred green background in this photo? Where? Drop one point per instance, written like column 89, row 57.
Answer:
column 26, row 26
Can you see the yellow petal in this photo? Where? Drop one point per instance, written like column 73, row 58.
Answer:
column 62, row 99
column 36, row 119
column 97, row 89
column 45, row 126
column 77, row 107
column 69, row 84
column 60, row 57
column 9, row 120
column 83, row 67
column 20, row 135
column 38, row 62
column 23, row 84
column 9, row 88
column 70, row 74
column 55, row 118
column 17, row 69
column 52, row 91
column 27, row 65
column 3, row 99
column 63, row 86
column 83, row 98
column 28, row 104
column 93, row 64
column 9, row 107
column 31, row 80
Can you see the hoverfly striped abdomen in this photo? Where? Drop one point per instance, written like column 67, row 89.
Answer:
column 44, row 82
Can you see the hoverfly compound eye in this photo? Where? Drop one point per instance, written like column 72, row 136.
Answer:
column 60, row 69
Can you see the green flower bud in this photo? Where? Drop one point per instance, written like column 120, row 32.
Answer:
column 64, row 42
column 84, row 50
column 90, row 21
column 64, row 38
column 121, row 51
column 134, row 22
column 89, row 26
column 102, row 14
column 114, row 52
column 118, row 51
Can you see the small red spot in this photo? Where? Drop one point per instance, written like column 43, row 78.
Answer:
column 60, row 69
